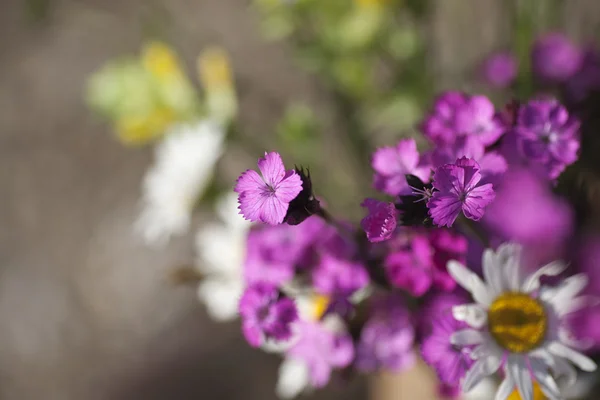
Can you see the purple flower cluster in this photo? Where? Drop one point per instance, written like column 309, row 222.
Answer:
column 362, row 297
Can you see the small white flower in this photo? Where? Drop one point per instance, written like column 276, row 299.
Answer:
column 183, row 167
column 221, row 248
column 517, row 324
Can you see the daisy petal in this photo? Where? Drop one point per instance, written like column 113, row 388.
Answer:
column 562, row 295
column 520, row 375
column 532, row 282
column 472, row 314
column 571, row 341
column 509, row 256
column 466, row 337
column 583, row 362
column 505, row 389
column 471, row 282
column 545, row 380
column 492, row 273
column 480, row 370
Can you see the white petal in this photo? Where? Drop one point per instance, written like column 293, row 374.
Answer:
column 293, row 378
column 544, row 379
column 558, row 365
column 568, row 339
column 508, row 259
column 487, row 348
column 471, row 282
column 480, row 370
column 221, row 298
column 532, row 282
column 562, row 296
column 520, row 375
column 505, row 389
column 472, row 314
column 466, row 337
column 583, row 362
column 492, row 273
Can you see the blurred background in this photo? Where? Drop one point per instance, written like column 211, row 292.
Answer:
column 88, row 309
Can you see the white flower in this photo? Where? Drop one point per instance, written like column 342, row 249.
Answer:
column 184, row 165
column 221, row 249
column 517, row 324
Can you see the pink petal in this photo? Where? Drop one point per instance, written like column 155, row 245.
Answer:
column 477, row 200
column 249, row 180
column 289, row 187
column 252, row 203
column 444, row 209
column 273, row 210
column 470, row 175
column 272, row 169
column 252, row 333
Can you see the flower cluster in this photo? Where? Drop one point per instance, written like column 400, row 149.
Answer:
column 455, row 262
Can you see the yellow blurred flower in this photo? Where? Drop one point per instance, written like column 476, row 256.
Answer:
column 214, row 70
column 320, row 304
column 141, row 129
column 161, row 61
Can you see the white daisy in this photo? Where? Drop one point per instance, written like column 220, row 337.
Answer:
column 184, row 164
column 221, row 249
column 517, row 324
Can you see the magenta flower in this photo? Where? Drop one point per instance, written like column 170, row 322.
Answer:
column 339, row 277
column 386, row 340
column 477, row 117
column 411, row 267
column 266, row 198
column 440, row 124
column 554, row 58
column 322, row 349
column 391, row 164
column 499, row 69
column 587, row 79
column 380, row 223
column 449, row 362
column 265, row 315
column 547, row 136
column 457, row 189
column 447, row 245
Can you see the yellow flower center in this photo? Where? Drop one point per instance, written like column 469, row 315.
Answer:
column 537, row 393
column 320, row 304
column 517, row 322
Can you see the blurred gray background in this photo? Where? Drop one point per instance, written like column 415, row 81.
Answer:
column 86, row 310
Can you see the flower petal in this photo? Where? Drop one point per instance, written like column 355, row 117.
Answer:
column 582, row 361
column 505, row 389
column 272, row 169
column 444, row 208
column 466, row 337
column 562, row 295
column 544, row 379
column 520, row 375
column 480, row 370
column 289, row 187
column 249, row 180
column 532, row 282
column 492, row 273
column 477, row 199
column 472, row 314
column 273, row 210
column 293, row 378
column 471, row 282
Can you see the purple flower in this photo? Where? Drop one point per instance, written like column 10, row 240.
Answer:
column 336, row 276
column 391, row 164
column 526, row 211
column 447, row 245
column 499, row 69
column 440, row 124
column 450, row 362
column 492, row 164
column 267, row 198
column 274, row 252
column 477, row 117
column 322, row 349
column 458, row 189
column 380, row 223
column 587, row 79
column 387, row 337
column 554, row 58
column 411, row 268
column 266, row 315
column 547, row 136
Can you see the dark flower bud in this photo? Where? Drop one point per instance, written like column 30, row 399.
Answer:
column 413, row 207
column 305, row 204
